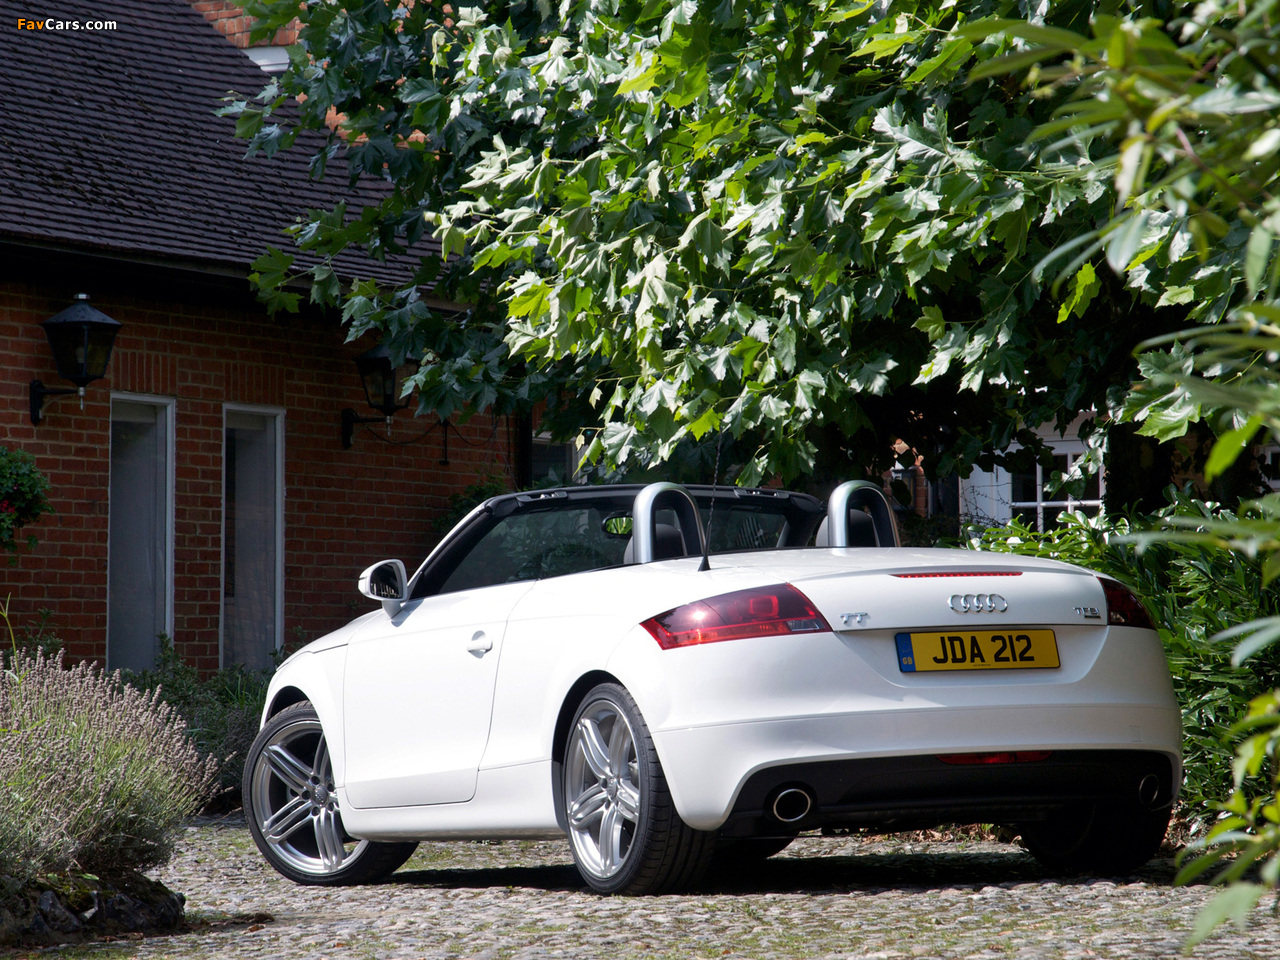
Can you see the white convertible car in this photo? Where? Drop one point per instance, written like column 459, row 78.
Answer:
column 579, row 662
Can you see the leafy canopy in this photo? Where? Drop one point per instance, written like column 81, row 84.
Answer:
column 794, row 224
column 1189, row 105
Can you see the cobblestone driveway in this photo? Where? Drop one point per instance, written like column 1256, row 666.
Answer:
column 841, row 898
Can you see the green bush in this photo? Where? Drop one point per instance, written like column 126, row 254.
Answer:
column 221, row 712
column 22, row 497
column 460, row 504
column 1194, row 591
column 95, row 776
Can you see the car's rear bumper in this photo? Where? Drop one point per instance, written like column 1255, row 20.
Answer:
column 909, row 793
column 880, row 765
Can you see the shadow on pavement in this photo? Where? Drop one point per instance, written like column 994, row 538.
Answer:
column 868, row 872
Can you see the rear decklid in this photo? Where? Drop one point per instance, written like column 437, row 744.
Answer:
column 950, row 589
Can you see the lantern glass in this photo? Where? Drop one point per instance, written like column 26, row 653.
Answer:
column 381, row 383
column 81, row 338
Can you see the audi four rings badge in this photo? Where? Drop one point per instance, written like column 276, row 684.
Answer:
column 978, row 603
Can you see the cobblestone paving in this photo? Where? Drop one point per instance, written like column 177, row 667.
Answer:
column 822, row 898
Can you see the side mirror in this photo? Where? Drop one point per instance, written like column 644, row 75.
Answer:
column 386, row 582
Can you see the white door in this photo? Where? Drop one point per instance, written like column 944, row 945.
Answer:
column 252, row 569
column 139, row 534
column 418, row 695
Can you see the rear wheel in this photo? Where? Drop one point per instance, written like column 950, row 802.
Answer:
column 624, row 830
column 1097, row 838
column 292, row 809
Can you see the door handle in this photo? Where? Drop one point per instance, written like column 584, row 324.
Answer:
column 480, row 644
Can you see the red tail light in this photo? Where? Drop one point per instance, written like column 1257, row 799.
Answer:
column 758, row 612
column 1124, row 609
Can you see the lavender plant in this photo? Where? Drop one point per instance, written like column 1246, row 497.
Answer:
column 95, row 775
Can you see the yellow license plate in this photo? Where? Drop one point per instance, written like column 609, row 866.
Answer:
column 977, row 650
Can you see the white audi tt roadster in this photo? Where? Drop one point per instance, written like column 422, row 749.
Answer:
column 586, row 662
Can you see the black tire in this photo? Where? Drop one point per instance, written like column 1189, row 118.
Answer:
column 624, row 830
column 293, row 813
column 1097, row 838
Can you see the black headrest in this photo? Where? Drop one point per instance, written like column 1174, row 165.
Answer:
column 667, row 543
column 862, row 531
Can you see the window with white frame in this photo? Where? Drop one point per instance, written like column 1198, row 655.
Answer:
column 1032, row 502
column 997, row 496
column 550, row 460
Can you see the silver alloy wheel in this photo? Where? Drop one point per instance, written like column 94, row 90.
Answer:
column 294, row 804
column 603, row 790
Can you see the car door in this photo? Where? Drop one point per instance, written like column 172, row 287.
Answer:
column 418, row 696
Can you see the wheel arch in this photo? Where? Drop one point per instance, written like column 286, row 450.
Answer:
column 560, row 735
column 316, row 678
column 284, row 698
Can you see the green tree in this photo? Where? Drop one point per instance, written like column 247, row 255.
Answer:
column 1188, row 106
column 797, row 225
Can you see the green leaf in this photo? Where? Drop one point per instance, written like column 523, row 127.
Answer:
column 887, row 45
column 931, row 323
column 708, row 420
column 1234, row 903
column 1010, row 63
column 1084, row 287
column 1123, row 243
column 1228, row 446
column 1257, row 258
column 645, row 80
column 1258, row 634
column 532, row 299
column 1051, row 37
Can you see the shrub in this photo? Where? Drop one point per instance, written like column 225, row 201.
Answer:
column 1194, row 591
column 460, row 504
column 221, row 712
column 22, row 497
column 95, row 776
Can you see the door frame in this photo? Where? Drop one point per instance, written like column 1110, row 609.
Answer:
column 278, row 413
column 170, row 405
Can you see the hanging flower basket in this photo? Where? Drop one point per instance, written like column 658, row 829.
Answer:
column 22, row 497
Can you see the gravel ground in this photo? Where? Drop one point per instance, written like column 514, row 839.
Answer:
column 832, row 898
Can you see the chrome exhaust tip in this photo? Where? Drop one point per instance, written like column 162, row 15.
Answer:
column 1149, row 790
column 792, row 805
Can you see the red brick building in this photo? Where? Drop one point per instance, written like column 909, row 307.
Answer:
column 203, row 490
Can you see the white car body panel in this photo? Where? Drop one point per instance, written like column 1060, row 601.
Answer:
column 419, row 695
column 718, row 712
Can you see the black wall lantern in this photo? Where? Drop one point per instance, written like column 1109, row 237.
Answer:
column 81, row 338
column 381, row 389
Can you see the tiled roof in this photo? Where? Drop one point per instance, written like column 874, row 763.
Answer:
column 109, row 144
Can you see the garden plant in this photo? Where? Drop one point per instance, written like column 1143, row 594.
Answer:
column 23, row 499
column 96, row 776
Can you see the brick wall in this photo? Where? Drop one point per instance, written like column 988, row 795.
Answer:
column 344, row 509
column 229, row 19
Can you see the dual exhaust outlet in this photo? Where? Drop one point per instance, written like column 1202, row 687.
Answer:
column 792, row 804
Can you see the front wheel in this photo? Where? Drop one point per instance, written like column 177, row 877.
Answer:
column 292, row 809
column 1097, row 838
column 625, row 832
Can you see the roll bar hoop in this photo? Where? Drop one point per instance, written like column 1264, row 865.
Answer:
column 644, row 519
column 860, row 495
